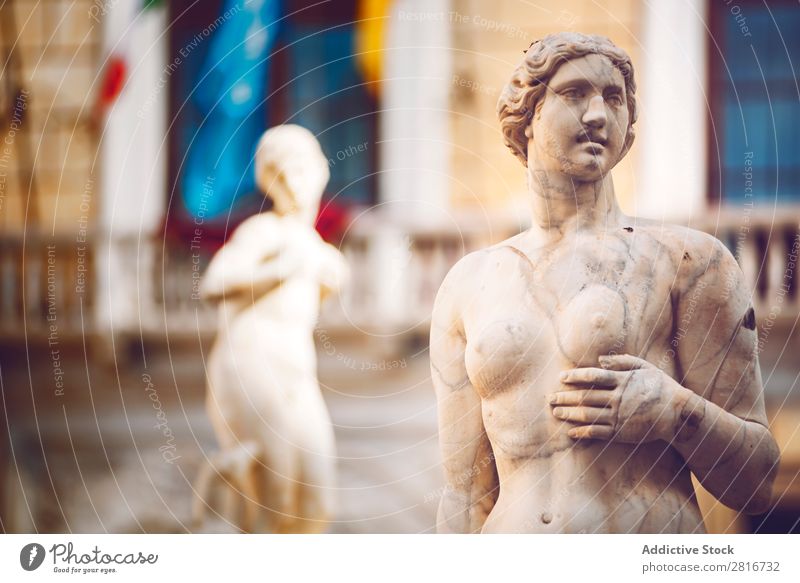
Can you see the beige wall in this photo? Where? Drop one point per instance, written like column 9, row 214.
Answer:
column 54, row 61
column 488, row 40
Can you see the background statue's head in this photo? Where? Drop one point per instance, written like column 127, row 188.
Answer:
column 571, row 105
column 291, row 169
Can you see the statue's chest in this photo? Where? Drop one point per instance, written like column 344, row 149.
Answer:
column 600, row 300
column 548, row 313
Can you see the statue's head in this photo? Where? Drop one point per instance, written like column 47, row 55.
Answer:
column 291, row 169
column 570, row 105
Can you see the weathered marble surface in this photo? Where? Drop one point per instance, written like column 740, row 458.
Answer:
column 585, row 367
column 278, row 458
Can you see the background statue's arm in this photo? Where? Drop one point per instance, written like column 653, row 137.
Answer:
column 471, row 476
column 722, row 430
column 255, row 260
column 334, row 270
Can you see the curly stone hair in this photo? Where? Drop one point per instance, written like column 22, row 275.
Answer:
column 519, row 98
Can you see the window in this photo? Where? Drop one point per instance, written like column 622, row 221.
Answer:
column 312, row 79
column 755, row 103
column 323, row 90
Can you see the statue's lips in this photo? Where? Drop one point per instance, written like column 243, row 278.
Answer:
column 594, row 143
column 595, row 147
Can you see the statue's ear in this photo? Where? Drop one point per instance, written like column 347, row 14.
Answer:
column 529, row 115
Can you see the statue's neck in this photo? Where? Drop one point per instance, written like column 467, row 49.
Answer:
column 561, row 204
column 304, row 216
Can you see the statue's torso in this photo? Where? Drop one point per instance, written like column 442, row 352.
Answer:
column 264, row 358
column 545, row 310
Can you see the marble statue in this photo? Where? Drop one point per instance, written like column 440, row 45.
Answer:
column 277, row 458
column 587, row 366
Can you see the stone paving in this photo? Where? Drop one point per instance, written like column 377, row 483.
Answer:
column 89, row 460
column 95, row 465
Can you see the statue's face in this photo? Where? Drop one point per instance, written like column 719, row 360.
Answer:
column 294, row 183
column 580, row 124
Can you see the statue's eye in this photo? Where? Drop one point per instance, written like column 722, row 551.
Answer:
column 615, row 99
column 570, row 93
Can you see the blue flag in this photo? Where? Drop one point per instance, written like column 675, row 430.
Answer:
column 228, row 96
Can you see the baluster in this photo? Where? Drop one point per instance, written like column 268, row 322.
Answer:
column 148, row 306
column 792, row 239
column 776, row 286
column 750, row 263
column 8, row 285
column 364, row 287
column 421, row 264
column 35, row 275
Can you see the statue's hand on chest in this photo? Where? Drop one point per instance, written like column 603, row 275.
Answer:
column 626, row 399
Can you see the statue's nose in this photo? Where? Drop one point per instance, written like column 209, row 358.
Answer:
column 595, row 115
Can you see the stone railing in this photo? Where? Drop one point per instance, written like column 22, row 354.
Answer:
column 396, row 271
column 46, row 289
column 766, row 247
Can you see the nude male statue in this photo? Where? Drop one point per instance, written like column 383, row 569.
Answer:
column 263, row 396
column 585, row 367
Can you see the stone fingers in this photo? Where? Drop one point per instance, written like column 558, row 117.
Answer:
column 591, row 397
column 623, row 362
column 597, row 377
column 584, row 414
column 591, row 432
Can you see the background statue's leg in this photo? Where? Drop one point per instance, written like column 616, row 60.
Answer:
column 317, row 484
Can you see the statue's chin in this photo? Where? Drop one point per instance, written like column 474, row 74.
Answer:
column 586, row 174
column 578, row 169
column 588, row 170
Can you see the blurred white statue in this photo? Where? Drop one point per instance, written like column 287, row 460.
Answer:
column 278, row 455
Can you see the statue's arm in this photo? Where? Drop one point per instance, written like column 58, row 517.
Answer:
column 471, row 487
column 334, row 271
column 722, row 430
column 254, row 260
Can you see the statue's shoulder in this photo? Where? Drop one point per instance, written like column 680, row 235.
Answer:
column 461, row 279
column 700, row 256
column 680, row 240
column 466, row 268
column 474, row 269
